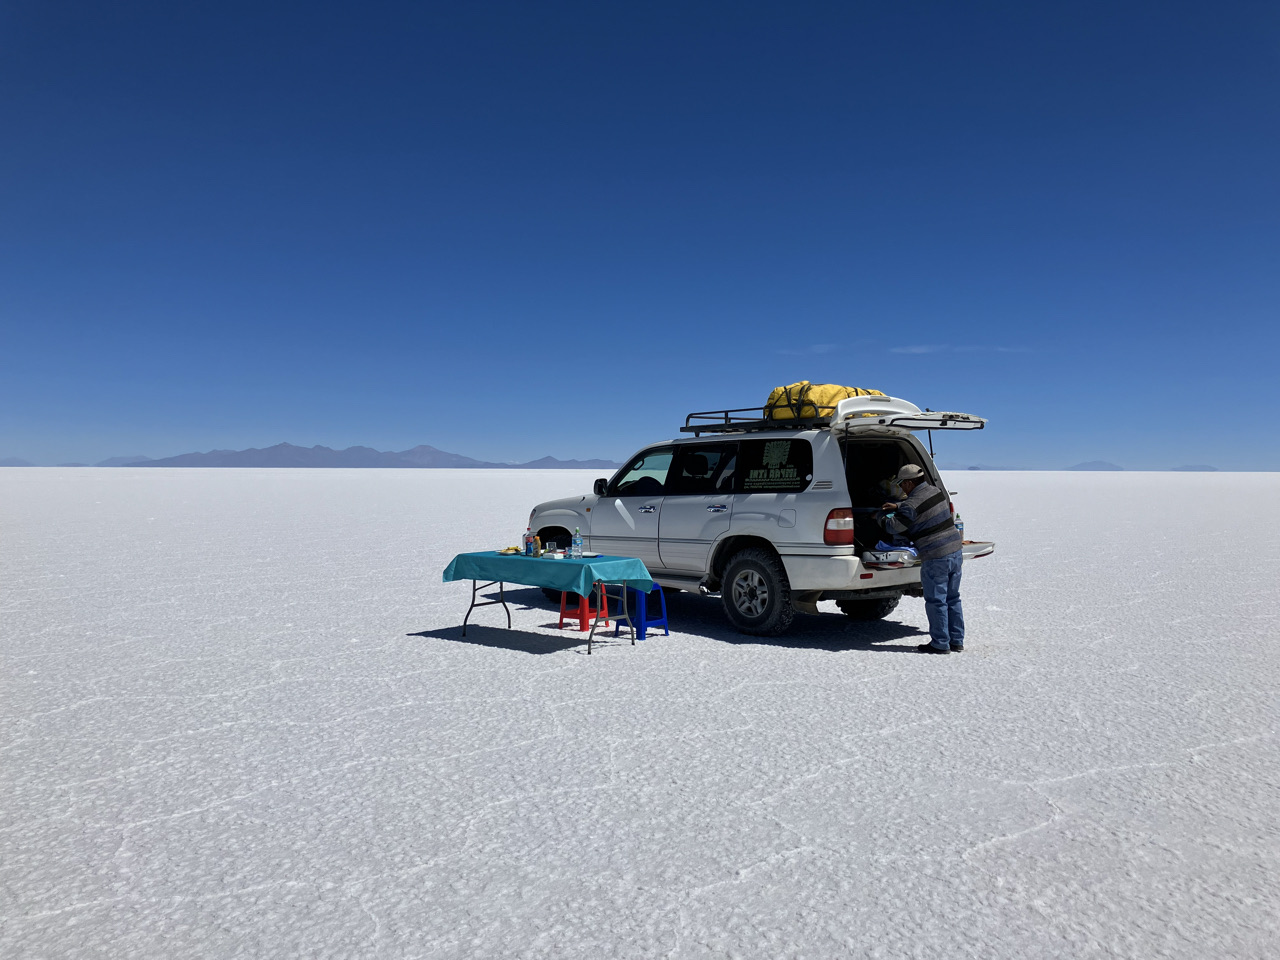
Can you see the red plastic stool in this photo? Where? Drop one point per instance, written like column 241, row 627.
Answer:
column 584, row 613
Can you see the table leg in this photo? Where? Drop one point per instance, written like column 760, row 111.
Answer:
column 476, row 587
column 630, row 625
column 598, row 587
column 470, row 608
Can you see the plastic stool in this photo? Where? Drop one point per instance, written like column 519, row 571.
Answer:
column 638, row 602
column 584, row 613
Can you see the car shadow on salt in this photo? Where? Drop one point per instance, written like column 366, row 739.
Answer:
column 691, row 615
column 704, row 617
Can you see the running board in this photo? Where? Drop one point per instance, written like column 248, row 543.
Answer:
column 692, row 584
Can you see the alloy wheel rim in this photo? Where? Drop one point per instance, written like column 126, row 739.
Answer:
column 750, row 593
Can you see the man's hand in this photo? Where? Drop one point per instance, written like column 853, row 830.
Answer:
column 890, row 506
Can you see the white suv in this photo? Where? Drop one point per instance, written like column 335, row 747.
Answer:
column 772, row 514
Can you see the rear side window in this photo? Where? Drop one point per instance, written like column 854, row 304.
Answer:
column 774, row 466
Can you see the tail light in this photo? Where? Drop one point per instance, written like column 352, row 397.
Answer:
column 839, row 528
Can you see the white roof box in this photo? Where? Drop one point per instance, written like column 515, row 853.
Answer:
column 893, row 415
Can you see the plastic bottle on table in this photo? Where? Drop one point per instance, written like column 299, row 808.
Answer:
column 528, row 542
column 575, row 545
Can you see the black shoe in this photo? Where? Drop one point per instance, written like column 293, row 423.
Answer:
column 959, row 649
column 930, row 648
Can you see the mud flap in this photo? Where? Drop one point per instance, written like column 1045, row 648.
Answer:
column 806, row 602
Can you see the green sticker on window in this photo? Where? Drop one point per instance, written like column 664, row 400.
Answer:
column 776, row 453
column 776, row 466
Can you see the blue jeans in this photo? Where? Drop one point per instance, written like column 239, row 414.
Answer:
column 940, row 579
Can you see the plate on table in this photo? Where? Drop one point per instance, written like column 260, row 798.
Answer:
column 588, row 556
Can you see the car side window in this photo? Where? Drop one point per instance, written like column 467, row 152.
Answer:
column 724, row 481
column 701, row 468
column 774, row 466
column 645, row 475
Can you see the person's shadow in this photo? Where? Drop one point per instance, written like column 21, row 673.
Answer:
column 691, row 614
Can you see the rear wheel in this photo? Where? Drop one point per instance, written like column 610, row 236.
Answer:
column 868, row 609
column 756, row 593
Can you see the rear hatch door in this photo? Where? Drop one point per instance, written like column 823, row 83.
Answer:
column 893, row 415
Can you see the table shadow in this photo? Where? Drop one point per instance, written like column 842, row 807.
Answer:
column 502, row 638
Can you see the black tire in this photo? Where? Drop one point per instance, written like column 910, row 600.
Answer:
column 559, row 538
column 868, row 609
column 756, row 593
column 555, row 537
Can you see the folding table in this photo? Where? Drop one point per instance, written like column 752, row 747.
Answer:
column 488, row 568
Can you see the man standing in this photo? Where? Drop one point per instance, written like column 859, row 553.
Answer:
column 925, row 518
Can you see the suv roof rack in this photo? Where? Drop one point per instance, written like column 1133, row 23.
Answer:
column 752, row 419
column 852, row 415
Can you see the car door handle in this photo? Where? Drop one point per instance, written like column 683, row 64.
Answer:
column 647, row 509
column 718, row 508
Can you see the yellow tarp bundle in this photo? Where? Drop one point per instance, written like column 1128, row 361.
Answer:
column 802, row 400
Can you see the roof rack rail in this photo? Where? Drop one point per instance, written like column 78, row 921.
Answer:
column 751, row 419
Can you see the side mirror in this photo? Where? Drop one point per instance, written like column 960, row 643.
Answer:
column 601, row 487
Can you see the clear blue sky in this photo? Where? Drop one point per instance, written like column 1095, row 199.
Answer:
column 518, row 229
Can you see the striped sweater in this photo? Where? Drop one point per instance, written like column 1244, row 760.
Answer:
column 925, row 519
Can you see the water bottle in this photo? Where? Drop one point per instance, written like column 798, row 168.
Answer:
column 528, row 542
column 960, row 526
column 575, row 545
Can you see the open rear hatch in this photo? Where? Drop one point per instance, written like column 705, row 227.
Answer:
column 892, row 415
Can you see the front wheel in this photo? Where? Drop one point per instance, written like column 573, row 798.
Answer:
column 557, row 538
column 756, row 593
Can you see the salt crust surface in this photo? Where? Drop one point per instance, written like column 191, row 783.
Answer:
column 238, row 720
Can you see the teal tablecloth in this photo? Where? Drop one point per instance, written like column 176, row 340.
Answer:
column 575, row 576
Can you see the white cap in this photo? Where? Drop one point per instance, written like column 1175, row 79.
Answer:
column 910, row 471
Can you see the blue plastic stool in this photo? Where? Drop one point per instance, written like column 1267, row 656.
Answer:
column 638, row 610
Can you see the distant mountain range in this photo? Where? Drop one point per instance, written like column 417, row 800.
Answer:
column 1090, row 465
column 288, row 455
column 1104, row 465
column 1095, row 465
